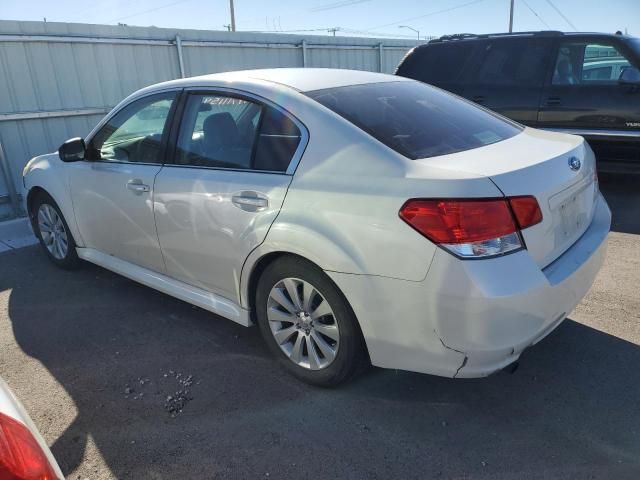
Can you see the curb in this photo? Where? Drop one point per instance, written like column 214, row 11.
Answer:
column 15, row 234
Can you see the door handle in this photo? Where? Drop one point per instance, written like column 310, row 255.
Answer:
column 250, row 201
column 553, row 101
column 137, row 186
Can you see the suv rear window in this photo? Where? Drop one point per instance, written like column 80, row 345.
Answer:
column 437, row 63
column 415, row 119
column 512, row 62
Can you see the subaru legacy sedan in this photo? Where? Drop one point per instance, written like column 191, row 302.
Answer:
column 357, row 218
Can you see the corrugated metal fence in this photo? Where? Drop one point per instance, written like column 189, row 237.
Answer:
column 58, row 79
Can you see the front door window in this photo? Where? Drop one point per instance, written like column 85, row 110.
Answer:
column 135, row 133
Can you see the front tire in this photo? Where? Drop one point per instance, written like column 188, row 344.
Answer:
column 308, row 323
column 53, row 232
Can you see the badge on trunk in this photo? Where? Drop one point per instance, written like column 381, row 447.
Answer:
column 574, row 163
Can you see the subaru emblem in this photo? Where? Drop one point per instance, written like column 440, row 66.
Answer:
column 574, row 163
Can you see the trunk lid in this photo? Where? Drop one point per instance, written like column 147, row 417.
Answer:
column 538, row 163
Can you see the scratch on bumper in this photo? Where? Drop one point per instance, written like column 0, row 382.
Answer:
column 464, row 360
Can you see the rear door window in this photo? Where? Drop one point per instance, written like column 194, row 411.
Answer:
column 415, row 119
column 225, row 131
column 511, row 62
column 278, row 141
column 583, row 63
column 212, row 133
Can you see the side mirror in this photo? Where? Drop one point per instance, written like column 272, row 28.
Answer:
column 72, row 150
column 630, row 76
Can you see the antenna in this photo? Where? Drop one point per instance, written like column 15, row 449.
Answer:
column 511, row 17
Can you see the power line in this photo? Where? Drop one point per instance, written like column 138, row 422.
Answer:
column 378, row 34
column 331, row 6
column 536, row 14
column 562, row 15
column 291, row 31
column 348, row 31
column 437, row 12
column 97, row 5
column 149, row 10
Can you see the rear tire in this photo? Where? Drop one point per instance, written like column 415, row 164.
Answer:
column 308, row 324
column 53, row 232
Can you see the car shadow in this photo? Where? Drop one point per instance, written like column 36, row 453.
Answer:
column 622, row 193
column 570, row 411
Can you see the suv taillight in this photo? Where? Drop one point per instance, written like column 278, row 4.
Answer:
column 21, row 457
column 474, row 227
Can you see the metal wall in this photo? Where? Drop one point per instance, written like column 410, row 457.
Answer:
column 58, row 79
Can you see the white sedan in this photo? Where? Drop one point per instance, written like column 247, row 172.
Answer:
column 23, row 453
column 355, row 217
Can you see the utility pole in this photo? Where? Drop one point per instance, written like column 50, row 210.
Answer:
column 333, row 30
column 510, row 16
column 233, row 16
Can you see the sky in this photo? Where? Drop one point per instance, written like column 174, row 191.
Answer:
column 382, row 18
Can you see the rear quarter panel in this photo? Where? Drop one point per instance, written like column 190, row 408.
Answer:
column 341, row 210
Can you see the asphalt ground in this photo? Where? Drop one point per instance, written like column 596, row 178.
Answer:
column 102, row 365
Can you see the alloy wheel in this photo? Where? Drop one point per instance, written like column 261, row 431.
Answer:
column 303, row 324
column 52, row 230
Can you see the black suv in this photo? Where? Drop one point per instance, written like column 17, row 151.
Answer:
column 582, row 83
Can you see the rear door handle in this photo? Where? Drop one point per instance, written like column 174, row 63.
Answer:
column 137, row 186
column 553, row 101
column 250, row 201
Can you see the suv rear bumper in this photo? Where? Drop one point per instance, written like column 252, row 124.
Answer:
column 471, row 318
column 617, row 151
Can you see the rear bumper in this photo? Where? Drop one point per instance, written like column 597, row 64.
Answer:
column 473, row 318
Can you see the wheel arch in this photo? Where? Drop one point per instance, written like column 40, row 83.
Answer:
column 259, row 266
column 32, row 194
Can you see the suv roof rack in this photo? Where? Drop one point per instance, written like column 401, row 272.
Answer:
column 467, row 36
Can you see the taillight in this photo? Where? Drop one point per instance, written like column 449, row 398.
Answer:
column 21, row 457
column 526, row 210
column 473, row 228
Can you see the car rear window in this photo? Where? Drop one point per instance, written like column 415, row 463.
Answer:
column 415, row 119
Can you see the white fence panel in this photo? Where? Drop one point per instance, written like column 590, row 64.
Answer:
column 58, row 79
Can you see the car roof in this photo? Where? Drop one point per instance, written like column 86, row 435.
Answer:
column 303, row 79
column 541, row 33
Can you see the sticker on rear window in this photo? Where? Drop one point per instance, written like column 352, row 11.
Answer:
column 487, row 137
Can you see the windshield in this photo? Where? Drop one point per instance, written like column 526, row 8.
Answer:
column 415, row 119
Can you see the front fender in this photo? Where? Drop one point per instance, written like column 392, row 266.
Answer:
column 48, row 172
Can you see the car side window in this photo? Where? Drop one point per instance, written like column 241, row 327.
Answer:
column 585, row 63
column 278, row 141
column 135, row 133
column 512, row 62
column 222, row 131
